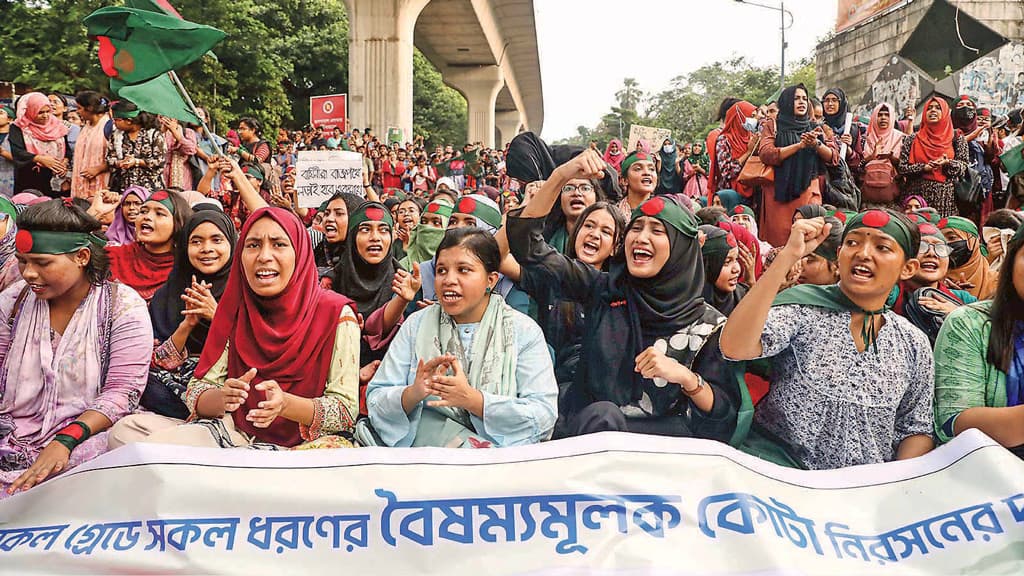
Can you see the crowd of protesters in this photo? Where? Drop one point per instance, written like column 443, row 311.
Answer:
column 815, row 291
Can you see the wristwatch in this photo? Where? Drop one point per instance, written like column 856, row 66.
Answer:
column 695, row 391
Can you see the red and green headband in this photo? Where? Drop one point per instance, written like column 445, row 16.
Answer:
column 480, row 210
column 929, row 230
column 743, row 210
column 668, row 212
column 50, row 242
column 719, row 243
column 440, row 208
column 959, row 223
column 884, row 222
column 162, row 197
column 370, row 212
column 633, row 159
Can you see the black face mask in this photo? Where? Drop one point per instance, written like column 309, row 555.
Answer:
column 963, row 115
column 959, row 254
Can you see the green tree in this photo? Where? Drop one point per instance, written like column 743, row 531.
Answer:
column 439, row 112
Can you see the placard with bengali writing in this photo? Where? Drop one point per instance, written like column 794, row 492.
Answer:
column 320, row 174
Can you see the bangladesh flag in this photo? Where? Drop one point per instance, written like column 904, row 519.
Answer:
column 139, row 45
column 470, row 161
column 161, row 6
column 156, row 96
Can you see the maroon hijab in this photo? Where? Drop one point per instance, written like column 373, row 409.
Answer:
column 288, row 338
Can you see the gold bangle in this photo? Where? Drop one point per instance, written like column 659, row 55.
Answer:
column 700, row 386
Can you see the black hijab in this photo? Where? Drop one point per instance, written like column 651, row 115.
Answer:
column 369, row 285
column 809, row 211
column 166, row 306
column 530, row 159
column 837, row 121
column 795, row 173
column 714, row 253
column 329, row 254
column 657, row 307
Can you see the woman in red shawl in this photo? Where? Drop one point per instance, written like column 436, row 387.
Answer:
column 39, row 145
column 734, row 145
column 281, row 361
column 934, row 158
column 614, row 154
column 145, row 264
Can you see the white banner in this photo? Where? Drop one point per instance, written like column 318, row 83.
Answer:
column 653, row 136
column 320, row 174
column 606, row 504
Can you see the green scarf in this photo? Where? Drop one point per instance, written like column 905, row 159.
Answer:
column 832, row 298
column 423, row 243
column 490, row 366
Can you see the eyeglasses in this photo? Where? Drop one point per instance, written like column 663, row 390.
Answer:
column 408, row 212
column 941, row 250
column 584, row 188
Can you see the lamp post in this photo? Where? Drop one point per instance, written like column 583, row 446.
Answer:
column 781, row 9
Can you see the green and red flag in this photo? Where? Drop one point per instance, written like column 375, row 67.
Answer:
column 472, row 164
column 139, row 45
column 156, row 96
column 159, row 6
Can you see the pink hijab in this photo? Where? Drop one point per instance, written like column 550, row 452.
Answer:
column 54, row 129
column 890, row 139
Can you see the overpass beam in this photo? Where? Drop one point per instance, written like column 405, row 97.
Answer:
column 380, row 48
column 508, row 122
column 480, row 85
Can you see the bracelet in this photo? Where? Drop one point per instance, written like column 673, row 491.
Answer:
column 695, row 391
column 73, row 434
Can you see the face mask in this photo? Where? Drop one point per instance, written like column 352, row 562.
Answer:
column 668, row 148
column 750, row 124
column 959, row 254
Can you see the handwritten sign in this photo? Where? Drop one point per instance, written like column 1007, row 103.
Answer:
column 653, row 136
column 320, row 174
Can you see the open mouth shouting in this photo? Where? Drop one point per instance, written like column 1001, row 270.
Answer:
column 590, row 249
column 862, row 273
column 929, row 266
column 146, row 228
column 266, row 276
column 642, row 255
column 330, row 229
column 450, row 297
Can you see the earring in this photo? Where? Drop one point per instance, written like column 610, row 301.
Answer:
column 488, row 291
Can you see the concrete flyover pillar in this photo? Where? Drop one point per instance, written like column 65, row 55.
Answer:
column 380, row 47
column 480, row 86
column 508, row 123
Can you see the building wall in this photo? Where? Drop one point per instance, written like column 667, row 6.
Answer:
column 852, row 59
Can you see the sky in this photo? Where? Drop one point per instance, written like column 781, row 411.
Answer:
column 655, row 42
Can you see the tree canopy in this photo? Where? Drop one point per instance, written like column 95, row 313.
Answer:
column 689, row 106
column 277, row 54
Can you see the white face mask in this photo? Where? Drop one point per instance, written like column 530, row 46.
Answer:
column 668, row 148
column 750, row 124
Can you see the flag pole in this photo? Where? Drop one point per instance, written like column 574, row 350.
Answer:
column 188, row 100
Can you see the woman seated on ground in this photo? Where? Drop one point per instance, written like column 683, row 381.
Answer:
column 281, row 361
column 646, row 323
column 426, row 237
column 593, row 242
column 122, row 228
column 482, row 376
column 926, row 299
column 851, row 381
column 968, row 267
column 145, row 264
column 183, row 308
column 372, row 278
column 821, row 267
column 722, row 272
column 74, row 348
column 979, row 362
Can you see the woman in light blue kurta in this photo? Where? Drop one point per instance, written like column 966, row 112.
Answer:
column 469, row 372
